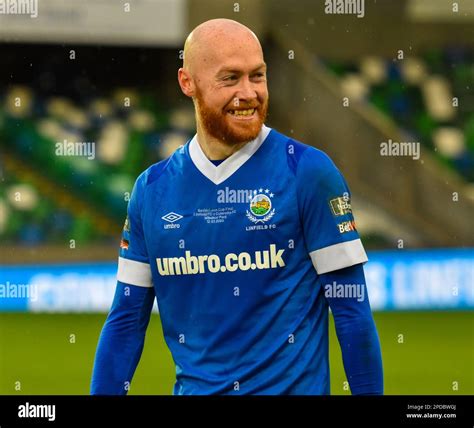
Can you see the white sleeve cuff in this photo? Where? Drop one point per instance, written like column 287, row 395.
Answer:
column 338, row 256
column 134, row 273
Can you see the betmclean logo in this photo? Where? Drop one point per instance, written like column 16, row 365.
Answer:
column 346, row 226
column 212, row 263
column 345, row 7
column 45, row 411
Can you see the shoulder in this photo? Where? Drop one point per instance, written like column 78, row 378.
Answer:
column 158, row 169
column 153, row 172
column 146, row 178
column 305, row 160
column 316, row 162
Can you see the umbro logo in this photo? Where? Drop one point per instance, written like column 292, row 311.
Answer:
column 171, row 218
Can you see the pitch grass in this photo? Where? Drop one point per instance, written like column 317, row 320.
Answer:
column 36, row 351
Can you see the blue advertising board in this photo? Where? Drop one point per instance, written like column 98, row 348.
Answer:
column 396, row 280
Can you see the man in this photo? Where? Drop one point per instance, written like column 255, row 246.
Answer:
column 245, row 237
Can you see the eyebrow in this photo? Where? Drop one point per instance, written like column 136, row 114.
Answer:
column 235, row 70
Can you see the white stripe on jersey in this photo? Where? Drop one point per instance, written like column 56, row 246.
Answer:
column 338, row 256
column 134, row 273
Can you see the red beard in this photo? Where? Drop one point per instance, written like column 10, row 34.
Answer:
column 217, row 123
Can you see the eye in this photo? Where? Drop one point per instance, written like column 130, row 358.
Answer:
column 231, row 77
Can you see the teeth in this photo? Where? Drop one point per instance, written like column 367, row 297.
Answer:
column 242, row 112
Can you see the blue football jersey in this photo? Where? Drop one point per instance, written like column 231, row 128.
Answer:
column 234, row 252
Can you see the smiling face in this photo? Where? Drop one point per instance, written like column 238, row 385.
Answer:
column 226, row 77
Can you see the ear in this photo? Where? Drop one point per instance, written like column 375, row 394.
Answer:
column 186, row 82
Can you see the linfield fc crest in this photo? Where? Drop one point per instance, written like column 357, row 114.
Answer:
column 261, row 208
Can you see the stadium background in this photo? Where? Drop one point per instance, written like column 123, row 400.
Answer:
column 106, row 73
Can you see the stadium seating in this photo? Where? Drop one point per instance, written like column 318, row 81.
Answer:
column 58, row 194
column 429, row 96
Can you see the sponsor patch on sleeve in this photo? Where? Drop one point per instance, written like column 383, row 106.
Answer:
column 126, row 226
column 346, row 226
column 340, row 205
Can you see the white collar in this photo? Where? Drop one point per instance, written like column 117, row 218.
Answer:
column 219, row 173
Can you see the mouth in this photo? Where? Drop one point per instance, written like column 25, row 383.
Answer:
column 243, row 114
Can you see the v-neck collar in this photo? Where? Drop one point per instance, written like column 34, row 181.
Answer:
column 218, row 174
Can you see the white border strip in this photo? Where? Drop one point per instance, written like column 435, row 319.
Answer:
column 338, row 256
column 134, row 273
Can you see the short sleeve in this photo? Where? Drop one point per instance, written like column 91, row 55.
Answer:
column 133, row 263
column 324, row 201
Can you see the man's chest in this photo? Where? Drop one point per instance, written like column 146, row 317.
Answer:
column 238, row 215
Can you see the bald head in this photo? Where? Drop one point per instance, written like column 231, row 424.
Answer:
column 214, row 40
column 225, row 75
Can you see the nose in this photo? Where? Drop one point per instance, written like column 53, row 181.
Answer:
column 246, row 90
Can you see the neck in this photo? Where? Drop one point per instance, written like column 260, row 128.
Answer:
column 215, row 149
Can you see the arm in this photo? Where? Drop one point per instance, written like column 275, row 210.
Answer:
column 122, row 338
column 355, row 329
column 337, row 253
